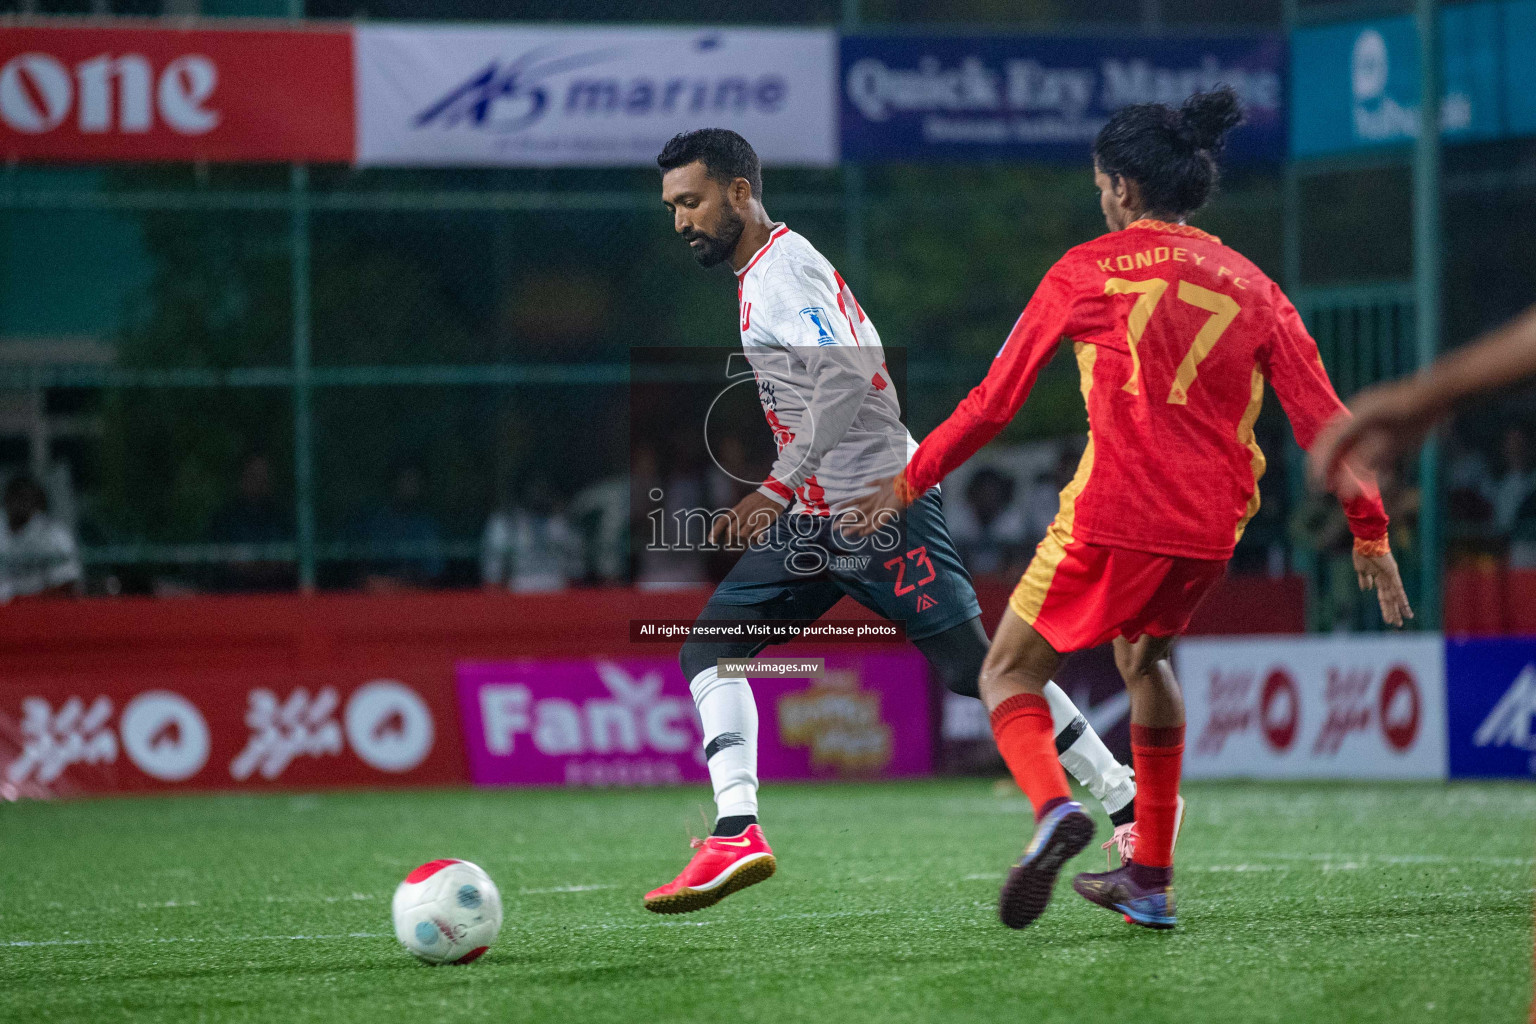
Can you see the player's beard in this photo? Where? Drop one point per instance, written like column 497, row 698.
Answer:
column 720, row 245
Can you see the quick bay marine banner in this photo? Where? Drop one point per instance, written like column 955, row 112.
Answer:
column 976, row 98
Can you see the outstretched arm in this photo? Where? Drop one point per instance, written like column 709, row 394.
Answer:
column 1392, row 418
column 993, row 403
column 982, row 413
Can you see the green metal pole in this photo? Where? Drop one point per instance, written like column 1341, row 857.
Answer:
column 1303, row 556
column 853, row 186
column 303, row 439
column 1290, row 214
column 853, row 204
column 1426, row 275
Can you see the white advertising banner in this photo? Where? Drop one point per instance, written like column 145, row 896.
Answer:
column 548, row 96
column 1325, row 707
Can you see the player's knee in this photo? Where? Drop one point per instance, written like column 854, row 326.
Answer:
column 1000, row 675
column 1138, row 663
column 959, row 674
column 966, row 681
column 1125, row 661
column 698, row 655
column 990, row 685
column 1003, row 662
column 1152, row 681
column 957, row 655
column 695, row 657
column 1014, row 663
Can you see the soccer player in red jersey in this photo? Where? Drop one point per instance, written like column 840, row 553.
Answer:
column 1175, row 335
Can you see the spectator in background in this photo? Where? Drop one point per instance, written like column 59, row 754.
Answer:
column 990, row 531
column 664, row 493
column 1319, row 522
column 599, row 514
column 728, row 478
column 407, row 532
column 252, row 517
column 1044, row 499
column 644, row 482
column 1510, row 490
column 1468, row 483
column 1514, row 499
column 530, row 548
column 40, row 557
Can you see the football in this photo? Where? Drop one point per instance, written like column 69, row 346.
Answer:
column 447, row 912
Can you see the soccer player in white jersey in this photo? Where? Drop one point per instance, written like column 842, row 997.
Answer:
column 836, row 422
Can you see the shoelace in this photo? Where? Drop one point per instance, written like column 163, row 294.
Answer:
column 1123, row 841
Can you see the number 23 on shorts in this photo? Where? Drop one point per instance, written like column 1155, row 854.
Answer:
column 919, row 557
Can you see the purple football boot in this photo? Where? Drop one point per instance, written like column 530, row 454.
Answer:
column 1143, row 900
column 1060, row 836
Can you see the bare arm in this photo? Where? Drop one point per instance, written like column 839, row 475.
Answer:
column 1392, row 419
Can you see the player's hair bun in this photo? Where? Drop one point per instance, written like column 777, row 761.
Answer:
column 1206, row 117
column 1171, row 153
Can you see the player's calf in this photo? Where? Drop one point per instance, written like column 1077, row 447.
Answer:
column 959, row 654
column 1084, row 755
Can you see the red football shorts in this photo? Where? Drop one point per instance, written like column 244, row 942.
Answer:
column 1079, row 595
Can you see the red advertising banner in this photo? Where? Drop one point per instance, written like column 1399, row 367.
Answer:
column 145, row 94
column 73, row 735
column 93, row 691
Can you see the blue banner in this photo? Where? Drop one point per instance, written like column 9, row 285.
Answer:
column 1491, row 707
column 1356, row 85
column 1519, row 63
column 982, row 98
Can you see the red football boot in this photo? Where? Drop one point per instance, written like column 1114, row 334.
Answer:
column 723, row 865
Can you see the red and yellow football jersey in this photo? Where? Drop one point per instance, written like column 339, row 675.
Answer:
column 1175, row 335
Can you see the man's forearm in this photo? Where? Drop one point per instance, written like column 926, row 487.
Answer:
column 1500, row 358
column 834, row 405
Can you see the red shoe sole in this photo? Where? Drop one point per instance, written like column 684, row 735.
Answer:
column 686, row 901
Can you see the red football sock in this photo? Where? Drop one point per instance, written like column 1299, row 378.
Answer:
column 1158, row 755
column 1022, row 726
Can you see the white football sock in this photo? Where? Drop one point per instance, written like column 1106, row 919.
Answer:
column 729, row 715
column 1086, row 756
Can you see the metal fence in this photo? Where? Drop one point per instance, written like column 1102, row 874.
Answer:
column 1364, row 333
column 478, row 322
column 343, row 321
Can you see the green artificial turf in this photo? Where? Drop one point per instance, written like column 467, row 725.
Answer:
column 1298, row 903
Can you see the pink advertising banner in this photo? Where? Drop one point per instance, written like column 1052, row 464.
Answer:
column 631, row 721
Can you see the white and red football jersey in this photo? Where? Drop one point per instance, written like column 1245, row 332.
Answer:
column 821, row 378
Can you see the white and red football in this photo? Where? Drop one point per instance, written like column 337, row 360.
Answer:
column 447, row 912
